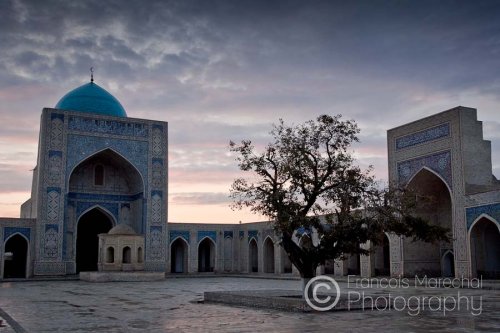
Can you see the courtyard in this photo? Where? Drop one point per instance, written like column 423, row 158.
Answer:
column 174, row 305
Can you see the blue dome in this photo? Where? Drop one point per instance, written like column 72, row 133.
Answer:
column 92, row 99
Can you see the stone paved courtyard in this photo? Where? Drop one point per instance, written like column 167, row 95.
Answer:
column 170, row 305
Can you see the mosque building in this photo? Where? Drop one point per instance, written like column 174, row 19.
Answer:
column 100, row 187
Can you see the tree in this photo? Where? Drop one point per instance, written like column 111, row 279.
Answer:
column 307, row 178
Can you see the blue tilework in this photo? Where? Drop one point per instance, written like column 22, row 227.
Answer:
column 427, row 135
column 440, row 163
column 253, row 234
column 204, row 233
column 179, row 233
column 8, row 231
column 473, row 213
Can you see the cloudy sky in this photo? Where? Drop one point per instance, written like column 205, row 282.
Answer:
column 226, row 70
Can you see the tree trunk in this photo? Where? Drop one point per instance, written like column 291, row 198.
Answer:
column 304, row 262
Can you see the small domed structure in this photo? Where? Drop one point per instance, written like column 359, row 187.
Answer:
column 91, row 98
column 122, row 229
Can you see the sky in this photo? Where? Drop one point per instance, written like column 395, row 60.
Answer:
column 227, row 70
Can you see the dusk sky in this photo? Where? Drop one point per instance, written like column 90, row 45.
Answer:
column 226, row 70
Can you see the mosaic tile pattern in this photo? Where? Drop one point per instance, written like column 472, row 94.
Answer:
column 207, row 233
column 8, row 231
column 427, row 135
column 179, row 233
column 473, row 213
column 253, row 234
column 440, row 163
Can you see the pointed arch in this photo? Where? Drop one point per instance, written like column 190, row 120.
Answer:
column 101, row 151
column 484, row 247
column 268, row 250
column 16, row 265
column 89, row 225
column 486, row 216
column 206, row 254
column 448, row 264
column 382, row 258
column 105, row 211
column 253, row 256
column 179, row 255
column 228, row 253
column 424, row 168
column 420, row 258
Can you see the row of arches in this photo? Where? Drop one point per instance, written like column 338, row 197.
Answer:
column 179, row 256
column 484, row 253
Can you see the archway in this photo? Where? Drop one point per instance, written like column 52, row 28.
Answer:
column 448, row 261
column 15, row 265
column 178, row 256
column 485, row 249
column 268, row 256
column 206, row 255
column 433, row 205
column 90, row 225
column 382, row 261
column 105, row 176
column 253, row 256
column 228, row 253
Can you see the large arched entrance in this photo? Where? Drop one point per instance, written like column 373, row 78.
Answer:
column 434, row 205
column 206, row 255
column 91, row 224
column 179, row 256
column 253, row 256
column 268, row 256
column 485, row 249
column 16, row 253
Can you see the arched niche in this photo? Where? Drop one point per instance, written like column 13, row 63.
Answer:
column 106, row 177
column 206, row 255
column 484, row 239
column 434, row 205
column 179, row 256
column 269, row 256
column 15, row 257
column 253, row 256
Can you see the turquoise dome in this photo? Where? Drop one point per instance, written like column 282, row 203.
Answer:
column 92, row 99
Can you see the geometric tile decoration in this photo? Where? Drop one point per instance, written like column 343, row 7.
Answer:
column 7, row 231
column 253, row 234
column 179, row 233
column 156, row 245
column 473, row 213
column 440, row 163
column 241, row 234
column 51, row 242
column 228, row 234
column 427, row 135
column 204, row 233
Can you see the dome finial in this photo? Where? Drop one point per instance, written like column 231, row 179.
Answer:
column 91, row 74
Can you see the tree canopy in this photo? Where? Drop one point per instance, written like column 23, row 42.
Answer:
column 307, row 179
